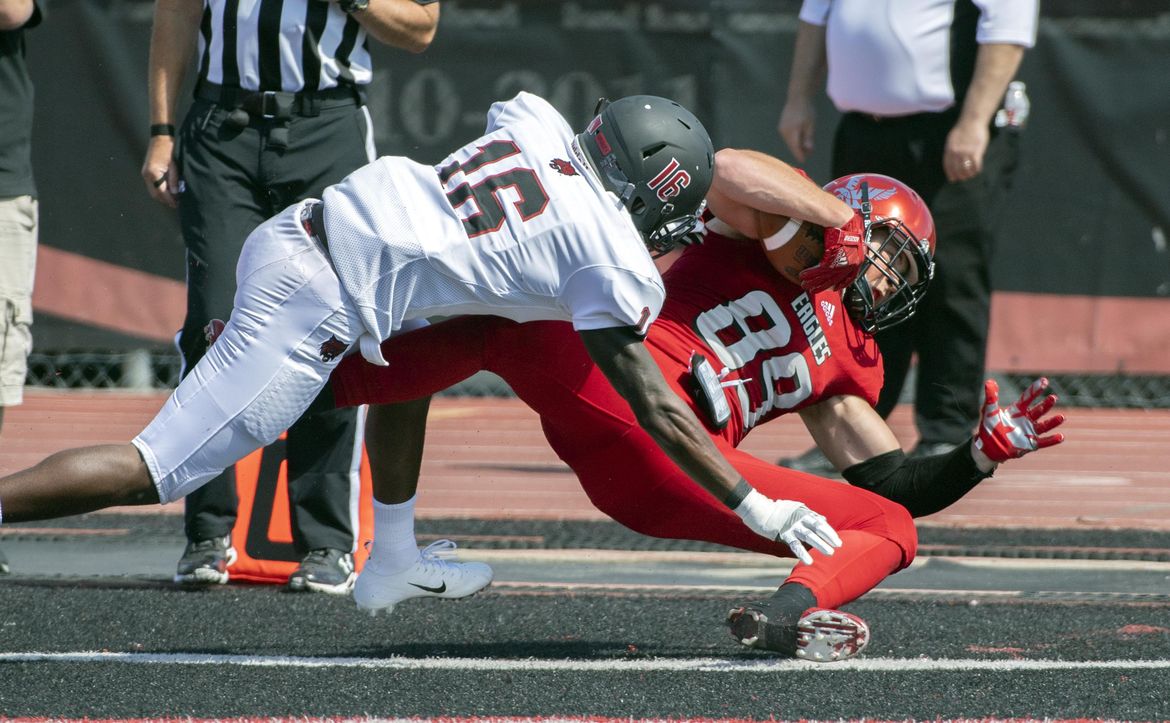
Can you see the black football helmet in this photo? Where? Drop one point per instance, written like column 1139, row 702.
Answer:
column 657, row 158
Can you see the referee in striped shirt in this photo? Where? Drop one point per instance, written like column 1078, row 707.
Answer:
column 278, row 115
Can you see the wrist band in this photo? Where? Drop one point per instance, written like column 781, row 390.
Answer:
column 784, row 235
column 736, row 496
column 162, row 129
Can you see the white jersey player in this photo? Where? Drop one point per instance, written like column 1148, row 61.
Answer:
column 492, row 230
column 512, row 225
column 527, row 222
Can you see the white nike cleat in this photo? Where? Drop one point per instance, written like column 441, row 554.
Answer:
column 434, row 574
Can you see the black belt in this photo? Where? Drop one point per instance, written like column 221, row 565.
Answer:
column 926, row 117
column 279, row 105
column 313, row 221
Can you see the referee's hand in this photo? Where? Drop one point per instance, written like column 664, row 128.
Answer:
column 159, row 171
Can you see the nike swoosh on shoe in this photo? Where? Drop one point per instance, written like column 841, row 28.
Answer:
column 437, row 590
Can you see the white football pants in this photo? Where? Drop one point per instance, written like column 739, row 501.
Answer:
column 289, row 327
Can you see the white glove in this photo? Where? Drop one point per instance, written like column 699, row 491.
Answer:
column 789, row 522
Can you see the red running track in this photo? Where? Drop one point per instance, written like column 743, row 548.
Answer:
column 486, row 458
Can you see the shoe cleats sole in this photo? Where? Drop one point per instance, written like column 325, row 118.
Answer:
column 822, row 636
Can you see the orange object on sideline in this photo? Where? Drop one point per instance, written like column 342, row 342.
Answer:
column 263, row 532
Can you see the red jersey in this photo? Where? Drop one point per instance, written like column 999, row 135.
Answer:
column 783, row 349
column 723, row 300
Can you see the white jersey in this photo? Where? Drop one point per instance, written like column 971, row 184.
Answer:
column 512, row 224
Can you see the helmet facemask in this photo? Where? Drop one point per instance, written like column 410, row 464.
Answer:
column 895, row 256
column 683, row 230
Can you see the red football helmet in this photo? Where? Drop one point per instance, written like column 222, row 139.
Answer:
column 901, row 250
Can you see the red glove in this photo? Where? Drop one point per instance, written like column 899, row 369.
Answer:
column 844, row 252
column 1013, row 432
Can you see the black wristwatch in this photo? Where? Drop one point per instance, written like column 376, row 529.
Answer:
column 352, row 6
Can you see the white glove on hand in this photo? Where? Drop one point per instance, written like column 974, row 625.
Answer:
column 789, row 522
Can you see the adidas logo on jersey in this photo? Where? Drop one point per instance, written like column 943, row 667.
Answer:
column 829, row 311
column 807, row 315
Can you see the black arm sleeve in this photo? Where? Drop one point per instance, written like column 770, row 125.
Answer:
column 923, row 485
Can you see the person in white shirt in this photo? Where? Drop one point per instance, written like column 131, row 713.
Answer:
column 527, row 222
column 918, row 83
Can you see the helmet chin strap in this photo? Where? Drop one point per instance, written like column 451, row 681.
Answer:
column 866, row 211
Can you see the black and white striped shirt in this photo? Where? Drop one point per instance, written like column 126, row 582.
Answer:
column 284, row 45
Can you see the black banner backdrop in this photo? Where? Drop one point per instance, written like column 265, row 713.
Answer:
column 1082, row 275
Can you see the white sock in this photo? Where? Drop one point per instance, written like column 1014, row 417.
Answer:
column 394, row 548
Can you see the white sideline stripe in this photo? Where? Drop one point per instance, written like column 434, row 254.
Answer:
column 703, row 665
column 744, row 562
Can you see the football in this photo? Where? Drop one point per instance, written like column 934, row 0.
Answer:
column 792, row 252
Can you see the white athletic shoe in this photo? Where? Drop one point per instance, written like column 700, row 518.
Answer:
column 434, row 574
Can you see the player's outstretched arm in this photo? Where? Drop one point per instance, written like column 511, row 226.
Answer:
column 756, row 194
column 926, row 485
column 620, row 355
column 1018, row 429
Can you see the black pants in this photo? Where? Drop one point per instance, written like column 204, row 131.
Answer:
column 235, row 179
column 949, row 329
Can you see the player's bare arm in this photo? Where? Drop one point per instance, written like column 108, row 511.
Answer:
column 756, row 194
column 859, row 442
column 619, row 353
column 172, row 43
column 404, row 24
column 762, row 197
column 621, row 356
column 848, row 430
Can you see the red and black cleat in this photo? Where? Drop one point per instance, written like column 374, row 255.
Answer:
column 821, row 635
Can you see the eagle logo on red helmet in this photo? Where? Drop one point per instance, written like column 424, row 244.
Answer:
column 851, row 192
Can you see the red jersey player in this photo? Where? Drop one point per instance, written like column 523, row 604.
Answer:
column 744, row 345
